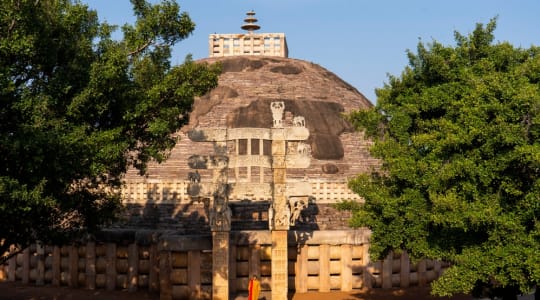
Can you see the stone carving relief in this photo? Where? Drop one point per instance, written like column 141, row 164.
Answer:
column 279, row 218
column 277, row 112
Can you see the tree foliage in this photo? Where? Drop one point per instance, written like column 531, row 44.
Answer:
column 458, row 135
column 78, row 108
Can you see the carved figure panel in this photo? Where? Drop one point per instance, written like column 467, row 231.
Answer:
column 281, row 218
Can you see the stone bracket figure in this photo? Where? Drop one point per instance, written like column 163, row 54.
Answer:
column 297, row 204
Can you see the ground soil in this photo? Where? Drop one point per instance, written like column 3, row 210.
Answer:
column 18, row 291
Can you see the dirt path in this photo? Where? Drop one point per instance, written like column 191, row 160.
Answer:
column 18, row 291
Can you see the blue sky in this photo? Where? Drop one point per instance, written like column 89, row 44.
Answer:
column 360, row 41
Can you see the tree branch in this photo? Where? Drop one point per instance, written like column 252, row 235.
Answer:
column 141, row 48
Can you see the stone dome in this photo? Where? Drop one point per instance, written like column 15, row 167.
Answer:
column 247, row 86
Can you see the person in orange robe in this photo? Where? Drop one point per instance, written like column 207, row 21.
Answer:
column 254, row 288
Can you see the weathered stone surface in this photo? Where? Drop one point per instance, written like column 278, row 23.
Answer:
column 330, row 169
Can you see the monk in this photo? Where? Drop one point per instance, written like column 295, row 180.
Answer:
column 254, row 288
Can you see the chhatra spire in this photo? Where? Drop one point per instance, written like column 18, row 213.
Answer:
column 250, row 22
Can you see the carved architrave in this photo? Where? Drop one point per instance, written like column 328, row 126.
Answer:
column 250, row 161
column 226, row 134
column 246, row 190
column 278, row 162
column 296, row 161
column 295, row 133
column 279, row 134
column 298, row 188
column 249, row 133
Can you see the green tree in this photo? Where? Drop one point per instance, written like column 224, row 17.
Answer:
column 79, row 108
column 458, row 136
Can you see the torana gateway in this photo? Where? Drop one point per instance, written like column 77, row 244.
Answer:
column 248, row 190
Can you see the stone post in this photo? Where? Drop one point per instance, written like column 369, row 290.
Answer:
column 219, row 212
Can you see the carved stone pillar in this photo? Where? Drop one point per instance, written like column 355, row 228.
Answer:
column 220, row 224
column 279, row 223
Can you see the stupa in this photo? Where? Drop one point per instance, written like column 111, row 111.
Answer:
column 268, row 150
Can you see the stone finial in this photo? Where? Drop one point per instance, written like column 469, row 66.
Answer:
column 277, row 113
column 250, row 22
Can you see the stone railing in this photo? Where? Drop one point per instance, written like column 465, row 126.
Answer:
column 266, row 44
column 175, row 192
column 179, row 267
